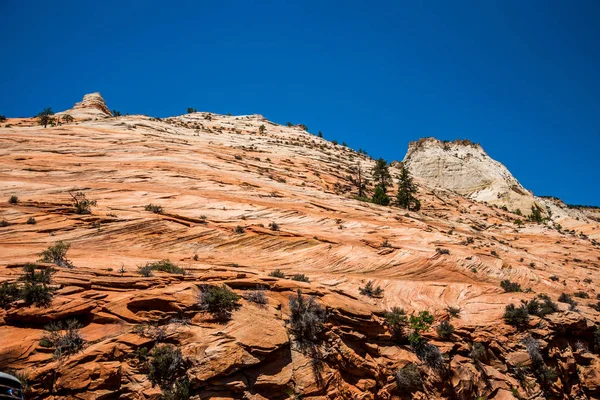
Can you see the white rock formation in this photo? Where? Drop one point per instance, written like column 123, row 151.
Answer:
column 465, row 168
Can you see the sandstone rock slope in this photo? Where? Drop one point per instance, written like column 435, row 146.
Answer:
column 231, row 199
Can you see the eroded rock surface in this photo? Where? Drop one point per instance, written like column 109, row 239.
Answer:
column 222, row 183
column 91, row 107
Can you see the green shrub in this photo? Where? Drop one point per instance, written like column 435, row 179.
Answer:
column 156, row 209
column 165, row 266
column 442, row 251
column 554, row 278
column 165, row 364
column 408, row 378
column 581, row 295
column 536, row 215
column 31, row 276
column 370, row 290
column 445, row 329
column 565, row 298
column 418, row 323
column 380, row 197
column 541, row 309
column 57, row 254
column 421, row 321
column 273, row 226
column 81, row 204
column 509, row 286
column 9, row 293
column 35, row 290
column 145, row 271
column 31, row 221
column 277, row 274
column 257, row 296
column 300, row 278
column 516, row 316
column 45, row 117
column 239, row 229
column 65, row 338
column 39, row 295
column 4, row 223
column 13, row 199
column 453, row 312
column 67, row 118
column 220, row 301
column 397, row 322
column 307, row 318
column 2, row 118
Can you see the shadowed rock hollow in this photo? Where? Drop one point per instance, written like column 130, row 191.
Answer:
column 222, row 183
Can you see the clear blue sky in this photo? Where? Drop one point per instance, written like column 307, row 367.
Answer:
column 520, row 77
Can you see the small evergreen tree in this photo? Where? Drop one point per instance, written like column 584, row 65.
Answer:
column 380, row 197
column 445, row 329
column 67, row 118
column 116, row 113
column 46, row 117
column 57, row 254
column 406, row 188
column 381, row 173
column 81, row 204
column 536, row 215
column 397, row 321
column 191, row 110
column 262, row 129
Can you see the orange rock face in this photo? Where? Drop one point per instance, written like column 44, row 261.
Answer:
column 222, row 183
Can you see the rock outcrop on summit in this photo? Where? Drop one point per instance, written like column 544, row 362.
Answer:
column 262, row 210
column 92, row 106
column 465, row 168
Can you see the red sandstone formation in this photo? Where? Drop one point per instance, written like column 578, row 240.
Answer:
column 212, row 174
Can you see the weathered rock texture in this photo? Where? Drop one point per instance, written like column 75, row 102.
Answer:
column 465, row 168
column 212, row 173
column 91, row 107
